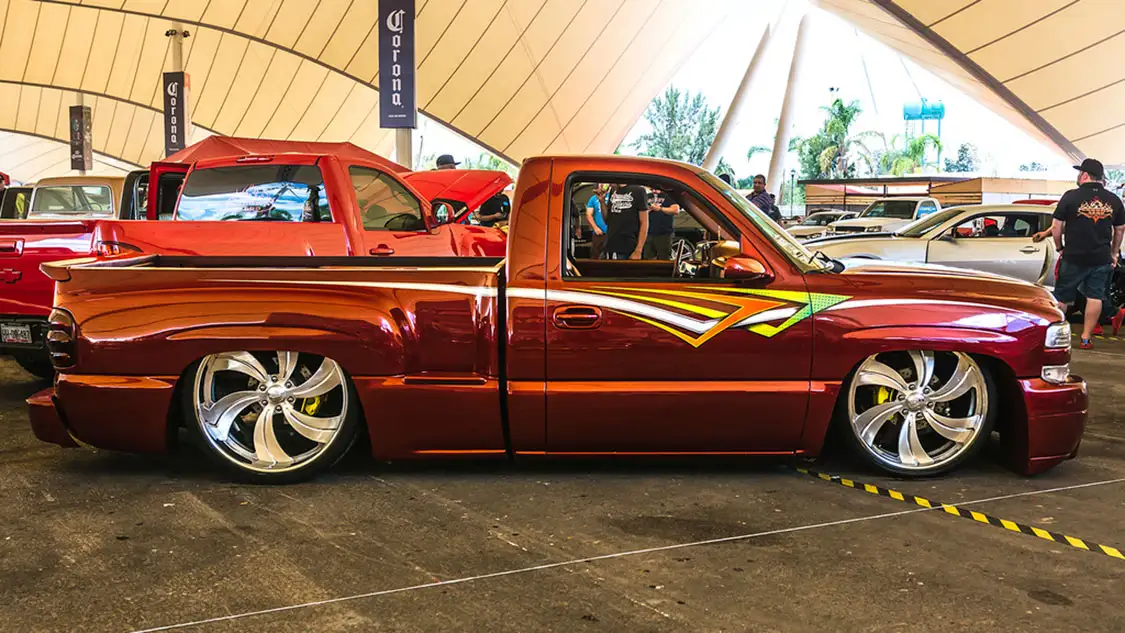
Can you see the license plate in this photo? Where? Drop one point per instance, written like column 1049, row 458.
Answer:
column 15, row 334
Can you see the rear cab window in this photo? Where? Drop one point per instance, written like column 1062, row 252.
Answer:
column 264, row 193
column 72, row 200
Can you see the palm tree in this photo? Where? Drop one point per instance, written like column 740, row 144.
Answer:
column 899, row 156
column 834, row 159
column 757, row 149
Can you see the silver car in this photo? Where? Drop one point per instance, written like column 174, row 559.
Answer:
column 994, row 238
column 816, row 223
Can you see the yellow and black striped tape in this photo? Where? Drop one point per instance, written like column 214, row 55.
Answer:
column 1101, row 337
column 979, row 517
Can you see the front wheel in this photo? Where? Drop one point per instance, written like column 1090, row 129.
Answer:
column 920, row 413
column 271, row 417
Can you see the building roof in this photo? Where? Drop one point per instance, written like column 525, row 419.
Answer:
column 1051, row 67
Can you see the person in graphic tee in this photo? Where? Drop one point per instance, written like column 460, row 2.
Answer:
column 662, row 212
column 596, row 220
column 626, row 219
column 1090, row 221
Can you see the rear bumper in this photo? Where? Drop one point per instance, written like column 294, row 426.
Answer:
column 122, row 413
column 1056, row 419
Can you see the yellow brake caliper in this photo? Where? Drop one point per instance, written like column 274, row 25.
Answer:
column 309, row 406
column 882, row 395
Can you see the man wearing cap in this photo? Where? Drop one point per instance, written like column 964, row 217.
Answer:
column 1092, row 220
column 445, row 161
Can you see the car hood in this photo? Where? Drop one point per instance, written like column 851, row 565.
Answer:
column 865, row 222
column 468, row 186
column 801, row 230
column 931, row 281
column 855, row 238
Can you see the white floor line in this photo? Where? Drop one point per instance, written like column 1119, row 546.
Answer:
column 590, row 559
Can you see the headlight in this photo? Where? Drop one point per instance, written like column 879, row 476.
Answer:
column 1058, row 336
column 874, row 229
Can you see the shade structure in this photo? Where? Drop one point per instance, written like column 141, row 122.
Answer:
column 522, row 77
column 1051, row 67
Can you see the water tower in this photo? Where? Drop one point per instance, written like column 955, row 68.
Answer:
column 917, row 113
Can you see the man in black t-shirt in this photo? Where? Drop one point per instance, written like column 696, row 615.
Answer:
column 627, row 222
column 495, row 209
column 1092, row 220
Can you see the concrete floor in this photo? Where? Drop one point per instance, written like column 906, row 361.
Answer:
column 94, row 541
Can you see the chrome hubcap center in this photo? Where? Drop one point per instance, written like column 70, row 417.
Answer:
column 275, row 393
column 915, row 402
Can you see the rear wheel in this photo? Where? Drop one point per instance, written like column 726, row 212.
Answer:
column 920, row 413
column 271, row 417
column 37, row 364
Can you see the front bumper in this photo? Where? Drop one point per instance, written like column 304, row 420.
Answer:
column 1056, row 419
column 122, row 413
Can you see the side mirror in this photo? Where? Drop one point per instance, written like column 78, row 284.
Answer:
column 443, row 212
column 742, row 268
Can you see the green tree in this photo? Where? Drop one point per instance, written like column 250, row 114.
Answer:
column 1115, row 177
column 967, row 159
column 1033, row 166
column 486, row 160
column 683, row 127
column 758, row 149
column 899, row 156
column 830, row 153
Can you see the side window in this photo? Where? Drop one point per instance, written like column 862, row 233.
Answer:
column 926, row 208
column 278, row 193
column 384, row 204
column 1000, row 225
column 607, row 238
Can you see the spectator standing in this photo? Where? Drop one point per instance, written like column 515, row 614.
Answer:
column 445, row 161
column 1092, row 221
column 662, row 214
column 495, row 209
column 626, row 219
column 759, row 196
column 596, row 219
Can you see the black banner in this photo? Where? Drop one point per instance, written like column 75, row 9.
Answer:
column 81, row 138
column 397, row 87
column 177, row 119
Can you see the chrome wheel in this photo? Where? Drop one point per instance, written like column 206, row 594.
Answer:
column 270, row 411
column 918, row 412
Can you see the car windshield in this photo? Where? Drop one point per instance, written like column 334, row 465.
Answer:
column 786, row 243
column 72, row 200
column 920, row 227
column 821, row 219
column 901, row 209
column 281, row 193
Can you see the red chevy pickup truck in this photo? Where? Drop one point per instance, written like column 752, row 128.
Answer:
column 749, row 344
column 252, row 197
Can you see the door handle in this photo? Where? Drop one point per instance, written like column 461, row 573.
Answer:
column 381, row 250
column 11, row 247
column 577, row 317
column 1029, row 249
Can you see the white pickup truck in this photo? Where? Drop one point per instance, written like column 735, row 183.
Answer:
column 886, row 215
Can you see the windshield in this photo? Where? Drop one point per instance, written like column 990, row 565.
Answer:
column 72, row 200
column 821, row 219
column 283, row 193
column 920, row 227
column 780, row 238
column 901, row 209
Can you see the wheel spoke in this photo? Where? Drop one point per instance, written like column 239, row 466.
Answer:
column 958, row 430
column 266, row 447
column 286, row 363
column 966, row 376
column 220, row 415
column 242, row 362
column 872, row 420
column 923, row 367
column 875, row 373
column 324, row 380
column 319, row 430
column 910, row 451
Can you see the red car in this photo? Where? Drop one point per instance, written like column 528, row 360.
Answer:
column 252, row 197
column 748, row 345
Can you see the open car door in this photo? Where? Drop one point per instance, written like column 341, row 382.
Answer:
column 164, row 183
column 469, row 187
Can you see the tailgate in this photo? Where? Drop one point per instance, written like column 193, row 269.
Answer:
column 24, row 246
column 186, row 237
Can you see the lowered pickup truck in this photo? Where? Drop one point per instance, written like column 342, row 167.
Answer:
column 749, row 344
column 251, row 197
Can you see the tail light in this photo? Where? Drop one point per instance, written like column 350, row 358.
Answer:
column 62, row 334
column 112, row 249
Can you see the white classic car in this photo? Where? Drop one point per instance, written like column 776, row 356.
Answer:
column 994, row 238
column 886, row 215
column 816, row 223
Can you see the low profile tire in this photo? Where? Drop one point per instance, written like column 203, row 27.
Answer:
column 270, row 417
column 919, row 413
column 36, row 364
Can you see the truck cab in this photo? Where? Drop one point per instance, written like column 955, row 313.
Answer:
column 886, row 215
